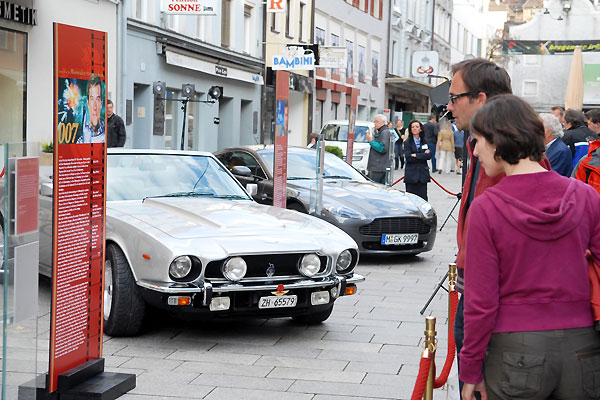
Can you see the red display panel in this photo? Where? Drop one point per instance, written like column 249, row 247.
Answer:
column 79, row 200
column 352, row 125
column 282, row 95
column 27, row 181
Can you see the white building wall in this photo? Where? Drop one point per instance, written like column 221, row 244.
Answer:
column 542, row 79
column 101, row 16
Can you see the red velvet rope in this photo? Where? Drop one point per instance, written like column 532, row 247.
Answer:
column 436, row 182
column 421, row 383
column 441, row 380
column 2, row 173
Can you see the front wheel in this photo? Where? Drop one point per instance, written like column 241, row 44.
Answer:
column 314, row 318
column 123, row 305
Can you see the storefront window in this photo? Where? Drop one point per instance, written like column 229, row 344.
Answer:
column 13, row 62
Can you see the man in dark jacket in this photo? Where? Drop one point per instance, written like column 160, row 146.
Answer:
column 431, row 135
column 577, row 134
column 116, row 134
column 379, row 154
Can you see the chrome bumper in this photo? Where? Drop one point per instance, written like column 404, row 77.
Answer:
column 207, row 289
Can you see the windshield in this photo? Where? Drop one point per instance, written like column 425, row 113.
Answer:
column 302, row 165
column 339, row 133
column 137, row 176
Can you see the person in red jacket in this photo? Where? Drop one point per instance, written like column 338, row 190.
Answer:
column 527, row 311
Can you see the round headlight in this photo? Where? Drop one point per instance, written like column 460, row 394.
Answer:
column 344, row 260
column 235, row 269
column 310, row 265
column 180, row 267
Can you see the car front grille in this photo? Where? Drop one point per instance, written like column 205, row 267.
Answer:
column 382, row 226
column 259, row 265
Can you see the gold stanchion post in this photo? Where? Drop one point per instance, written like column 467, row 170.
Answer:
column 452, row 274
column 430, row 346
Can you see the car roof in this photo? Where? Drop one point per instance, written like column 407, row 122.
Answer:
column 268, row 147
column 345, row 122
column 121, row 150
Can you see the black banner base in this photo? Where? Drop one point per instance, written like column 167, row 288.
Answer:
column 86, row 381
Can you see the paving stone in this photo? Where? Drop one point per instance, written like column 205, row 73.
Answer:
column 243, row 382
column 213, row 356
column 146, row 352
column 246, row 394
column 313, row 374
column 225, row 369
column 308, row 363
column 266, row 350
column 374, row 367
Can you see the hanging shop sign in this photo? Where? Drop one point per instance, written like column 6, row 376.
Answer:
column 544, row 47
column 425, row 63
column 332, row 56
column 276, row 6
column 294, row 59
column 189, row 7
column 79, row 198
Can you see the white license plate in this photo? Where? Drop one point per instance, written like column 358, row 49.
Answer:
column 278, row 301
column 396, row 238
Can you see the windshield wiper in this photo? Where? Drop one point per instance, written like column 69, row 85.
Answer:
column 181, row 194
column 296, row 178
column 336, row 177
column 230, row 196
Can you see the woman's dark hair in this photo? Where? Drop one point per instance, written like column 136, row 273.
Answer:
column 511, row 124
column 421, row 134
column 574, row 117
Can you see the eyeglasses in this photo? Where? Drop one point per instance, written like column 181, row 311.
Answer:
column 453, row 97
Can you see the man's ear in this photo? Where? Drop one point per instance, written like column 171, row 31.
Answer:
column 482, row 98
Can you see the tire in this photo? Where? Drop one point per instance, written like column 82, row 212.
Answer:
column 123, row 305
column 296, row 207
column 314, row 318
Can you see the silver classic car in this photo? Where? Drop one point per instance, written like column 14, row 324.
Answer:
column 183, row 235
column 382, row 220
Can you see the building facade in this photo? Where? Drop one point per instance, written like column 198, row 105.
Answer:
column 472, row 29
column 361, row 27
column 204, row 50
column 27, row 95
column 410, row 30
column 542, row 79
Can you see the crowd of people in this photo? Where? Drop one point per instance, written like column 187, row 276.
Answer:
column 527, row 324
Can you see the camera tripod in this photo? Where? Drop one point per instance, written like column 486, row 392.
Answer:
column 458, row 197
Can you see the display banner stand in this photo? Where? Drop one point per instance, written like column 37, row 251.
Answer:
column 282, row 95
column 76, row 369
column 352, row 124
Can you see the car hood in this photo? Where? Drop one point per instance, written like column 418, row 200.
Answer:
column 368, row 198
column 191, row 218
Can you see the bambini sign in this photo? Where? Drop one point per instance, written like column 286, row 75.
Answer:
column 189, row 7
column 295, row 59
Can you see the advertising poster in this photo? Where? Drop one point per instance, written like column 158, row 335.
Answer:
column 351, row 125
column 375, row 67
column 591, row 84
column 79, row 200
column 362, row 64
column 350, row 60
column 281, row 140
column 335, row 42
column 545, row 47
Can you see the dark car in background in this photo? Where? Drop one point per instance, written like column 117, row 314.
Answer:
column 381, row 219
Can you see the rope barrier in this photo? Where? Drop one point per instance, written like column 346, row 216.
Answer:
column 436, row 182
column 424, row 367
column 443, row 378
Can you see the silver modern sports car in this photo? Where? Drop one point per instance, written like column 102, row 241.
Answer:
column 183, row 235
column 381, row 220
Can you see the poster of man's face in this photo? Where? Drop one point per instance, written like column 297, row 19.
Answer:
column 320, row 36
column 375, row 77
column 335, row 41
column 361, row 64
column 350, row 60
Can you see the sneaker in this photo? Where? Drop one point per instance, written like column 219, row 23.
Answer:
column 457, row 173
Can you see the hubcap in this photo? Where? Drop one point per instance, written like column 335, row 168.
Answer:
column 108, row 289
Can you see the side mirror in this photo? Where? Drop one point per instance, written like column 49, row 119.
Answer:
column 46, row 189
column 252, row 189
column 241, row 171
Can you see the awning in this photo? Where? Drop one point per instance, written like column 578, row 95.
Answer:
column 410, row 85
column 222, row 71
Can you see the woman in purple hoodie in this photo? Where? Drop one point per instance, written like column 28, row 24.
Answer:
column 528, row 316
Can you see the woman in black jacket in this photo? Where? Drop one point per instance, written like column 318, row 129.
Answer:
column 416, row 153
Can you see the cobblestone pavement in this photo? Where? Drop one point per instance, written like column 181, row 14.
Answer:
column 368, row 349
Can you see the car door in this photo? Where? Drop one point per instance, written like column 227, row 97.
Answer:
column 242, row 158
